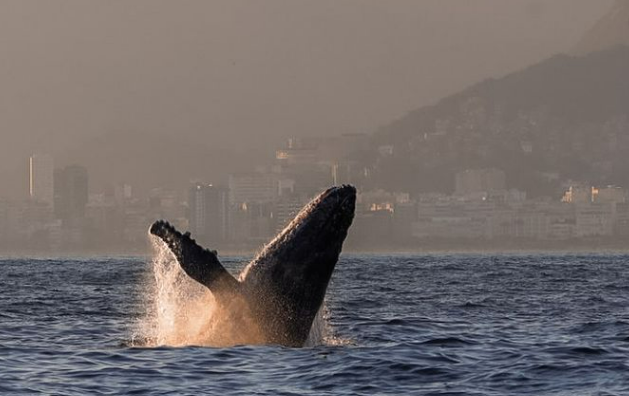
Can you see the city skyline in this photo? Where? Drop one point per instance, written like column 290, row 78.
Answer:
column 251, row 207
column 501, row 159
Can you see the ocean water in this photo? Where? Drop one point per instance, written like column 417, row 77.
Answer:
column 395, row 325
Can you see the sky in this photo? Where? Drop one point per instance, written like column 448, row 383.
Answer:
column 243, row 74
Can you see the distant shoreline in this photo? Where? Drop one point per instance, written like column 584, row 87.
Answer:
column 591, row 246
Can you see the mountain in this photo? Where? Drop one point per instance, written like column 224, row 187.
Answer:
column 611, row 30
column 566, row 118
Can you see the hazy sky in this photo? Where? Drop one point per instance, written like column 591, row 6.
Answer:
column 244, row 71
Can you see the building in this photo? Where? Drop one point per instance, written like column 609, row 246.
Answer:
column 168, row 204
column 375, row 200
column 349, row 172
column 255, row 187
column 578, row 194
column 252, row 224
column 454, row 219
column 296, row 156
column 404, row 215
column 621, row 227
column 123, row 193
column 208, row 215
column 70, row 192
column 594, row 220
column 41, row 179
column 371, row 229
column 10, row 220
column 609, row 194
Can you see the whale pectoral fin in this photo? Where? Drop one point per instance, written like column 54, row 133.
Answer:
column 200, row 264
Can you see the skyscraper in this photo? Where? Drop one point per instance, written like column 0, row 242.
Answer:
column 70, row 192
column 209, row 213
column 41, row 179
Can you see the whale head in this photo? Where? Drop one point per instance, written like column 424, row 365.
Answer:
column 312, row 242
column 320, row 227
column 295, row 268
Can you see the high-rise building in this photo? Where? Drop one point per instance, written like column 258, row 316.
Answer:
column 70, row 192
column 209, row 213
column 258, row 187
column 41, row 178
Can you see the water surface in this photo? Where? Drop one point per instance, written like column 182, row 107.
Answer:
column 424, row 325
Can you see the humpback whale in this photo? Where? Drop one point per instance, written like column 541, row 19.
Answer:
column 283, row 287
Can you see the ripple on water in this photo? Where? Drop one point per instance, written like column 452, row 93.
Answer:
column 426, row 325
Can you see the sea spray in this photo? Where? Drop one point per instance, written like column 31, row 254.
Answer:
column 181, row 312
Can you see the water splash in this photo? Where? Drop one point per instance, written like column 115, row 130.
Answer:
column 181, row 312
column 322, row 332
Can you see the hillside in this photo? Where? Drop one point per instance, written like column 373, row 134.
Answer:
column 564, row 118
